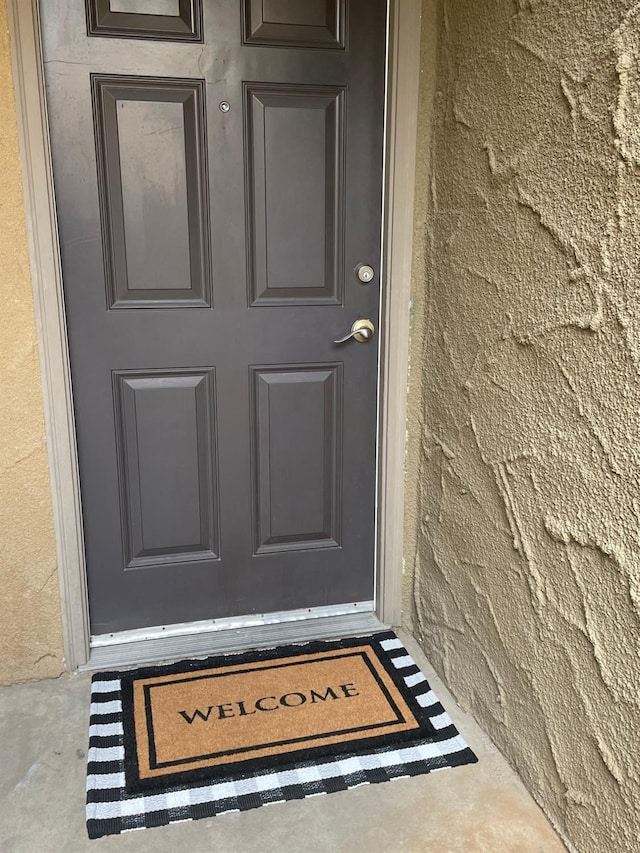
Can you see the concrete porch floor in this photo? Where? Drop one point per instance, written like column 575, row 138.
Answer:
column 43, row 741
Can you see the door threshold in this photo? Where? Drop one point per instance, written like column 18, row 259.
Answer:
column 219, row 636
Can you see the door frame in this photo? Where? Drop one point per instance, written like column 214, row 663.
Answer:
column 403, row 75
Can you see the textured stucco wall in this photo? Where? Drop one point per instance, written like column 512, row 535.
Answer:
column 30, row 633
column 525, row 531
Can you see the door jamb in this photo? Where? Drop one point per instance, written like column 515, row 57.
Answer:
column 46, row 274
column 403, row 81
column 46, row 278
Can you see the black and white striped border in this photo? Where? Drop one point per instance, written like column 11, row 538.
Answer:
column 111, row 810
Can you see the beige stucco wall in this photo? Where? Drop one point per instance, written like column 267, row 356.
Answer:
column 526, row 442
column 30, row 633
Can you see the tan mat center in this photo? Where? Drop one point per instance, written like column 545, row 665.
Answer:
column 218, row 716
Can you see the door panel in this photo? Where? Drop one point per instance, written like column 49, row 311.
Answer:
column 227, row 446
column 313, row 23
column 168, row 469
column 148, row 7
column 297, row 461
column 178, row 20
column 151, row 149
column 295, row 164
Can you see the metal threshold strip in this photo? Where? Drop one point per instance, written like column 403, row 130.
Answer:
column 199, row 639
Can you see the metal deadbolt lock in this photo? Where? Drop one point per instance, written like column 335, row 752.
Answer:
column 365, row 273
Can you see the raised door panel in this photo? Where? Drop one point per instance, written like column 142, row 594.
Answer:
column 152, row 180
column 174, row 20
column 295, row 145
column 297, row 457
column 166, row 448
column 146, row 7
column 295, row 23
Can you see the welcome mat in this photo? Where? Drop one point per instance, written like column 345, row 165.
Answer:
column 202, row 737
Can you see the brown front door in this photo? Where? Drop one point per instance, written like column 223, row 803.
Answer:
column 218, row 172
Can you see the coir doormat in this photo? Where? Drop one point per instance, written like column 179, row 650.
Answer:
column 202, row 737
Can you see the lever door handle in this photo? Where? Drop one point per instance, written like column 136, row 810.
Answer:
column 361, row 331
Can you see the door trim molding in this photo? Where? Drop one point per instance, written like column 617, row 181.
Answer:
column 46, row 275
column 46, row 278
column 405, row 17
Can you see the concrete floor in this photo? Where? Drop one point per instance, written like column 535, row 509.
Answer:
column 43, row 740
